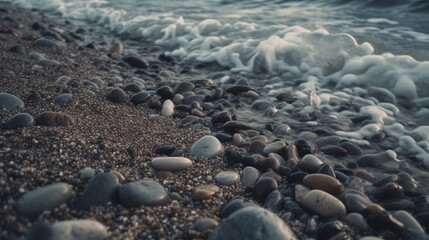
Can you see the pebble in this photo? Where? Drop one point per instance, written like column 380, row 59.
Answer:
column 269, row 163
column 310, row 163
column 249, row 177
column 17, row 49
column 234, row 126
column 300, row 192
column 166, row 92
column 135, row 61
column 86, row 173
column 10, row 101
column 401, row 204
column 227, row 178
column 132, row 87
column 63, row 98
column 204, row 192
column 207, row 146
column 184, row 87
column 90, row 93
column 329, row 230
column 323, row 182
column 44, row 198
column 304, row 147
column 117, row 49
column 36, row 56
column 408, row 220
column 204, row 224
column 351, row 148
column 327, row 170
column 140, row 97
column 239, row 89
column 221, row 117
column 98, row 81
column 117, row 95
column 238, row 140
column 19, row 120
column 100, row 190
column 389, row 191
column 357, row 220
column 63, row 80
column 144, row 192
column 356, row 201
column 275, row 147
column 166, row 149
column 257, row 147
column 334, row 151
column 54, row 119
column 324, row 204
column 168, row 108
column 384, row 161
column 82, row 229
column 45, row 42
column 251, row 223
column 274, row 201
column 171, row 163
column 265, row 186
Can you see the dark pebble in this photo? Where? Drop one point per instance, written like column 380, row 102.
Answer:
column 326, row 169
column 297, row 177
column 132, row 87
column 239, row 89
column 304, row 147
column 257, row 147
column 165, row 150
column 403, row 204
column 63, row 98
column 54, row 119
column 330, row 229
column 221, row 117
column 166, row 92
column 334, row 151
column 234, row 126
column 155, row 104
column 264, row 187
column 351, row 148
column 341, row 176
column 184, row 87
column 223, row 137
column 135, row 61
column 19, row 120
column 231, row 207
column 17, row 49
column 384, row 220
column 386, row 179
column 117, row 95
column 274, row 201
column 140, row 97
column 389, row 191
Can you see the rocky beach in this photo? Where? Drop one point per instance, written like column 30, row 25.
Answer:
column 103, row 137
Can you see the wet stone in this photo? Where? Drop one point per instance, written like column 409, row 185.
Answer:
column 86, row 173
column 409, row 221
column 389, row 191
column 63, row 98
column 171, row 163
column 54, row 119
column 257, row 147
column 249, row 222
column 265, row 186
column 351, row 148
column 223, row 137
column 10, row 101
column 324, row 204
column 403, row 204
column 205, row 224
column 44, row 198
column 207, row 146
column 144, row 192
column 356, row 201
column 132, row 87
column 204, row 192
column 234, row 126
column 221, row 117
column 310, row 163
column 239, row 89
column 117, row 95
column 63, row 80
column 71, row 230
column 328, row 230
column 275, row 147
column 357, row 220
column 227, row 178
column 100, row 190
column 323, row 182
column 184, row 87
column 269, row 163
column 19, row 120
column 249, row 177
column 327, row 170
column 334, row 151
column 304, row 147
column 384, row 160
column 17, row 49
column 140, row 97
column 296, row 177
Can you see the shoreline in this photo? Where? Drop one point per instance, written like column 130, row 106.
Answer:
column 120, row 134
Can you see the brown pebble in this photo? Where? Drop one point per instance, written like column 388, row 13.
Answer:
column 257, row 147
column 389, row 191
column 54, row 119
column 163, row 174
column 269, row 163
column 323, row 182
column 204, row 192
column 132, row 87
column 239, row 89
column 13, row 32
column 117, row 95
column 373, row 208
column 334, row 151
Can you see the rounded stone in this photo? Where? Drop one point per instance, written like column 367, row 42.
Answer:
column 257, row 147
column 384, row 161
column 140, row 97
column 132, row 87
column 166, row 149
column 44, row 198
column 184, row 87
column 249, row 177
column 275, row 147
column 63, row 80
column 71, row 230
column 207, row 146
column 17, row 49
column 227, row 178
column 265, row 186
column 204, row 224
column 239, row 89
column 204, row 192
column 389, row 191
column 63, row 98
column 54, row 119
column 310, row 163
column 408, row 220
column 324, row 204
column 234, row 126
column 117, row 95
column 166, row 92
column 357, row 220
column 356, row 201
column 19, row 120
column 86, row 173
column 101, row 189
column 10, row 101
column 323, row 182
column 171, row 163
column 251, row 223
column 144, row 192
column 221, row 117
column 274, row 201
column 168, row 108
column 351, row 148
column 135, row 61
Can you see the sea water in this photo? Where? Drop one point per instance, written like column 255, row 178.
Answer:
column 342, row 60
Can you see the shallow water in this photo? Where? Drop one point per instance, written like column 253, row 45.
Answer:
column 340, row 60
